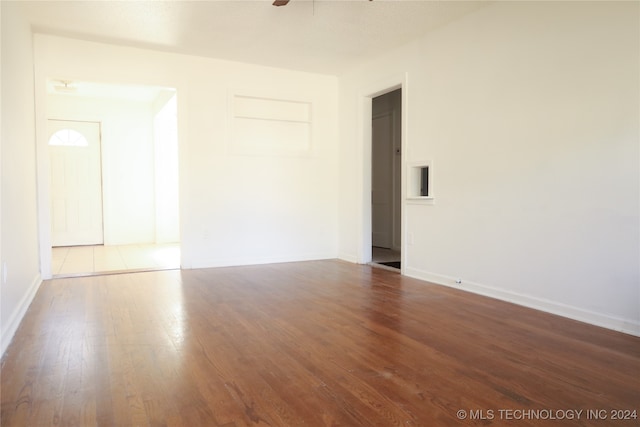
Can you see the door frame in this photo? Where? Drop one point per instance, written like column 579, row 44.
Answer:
column 365, row 117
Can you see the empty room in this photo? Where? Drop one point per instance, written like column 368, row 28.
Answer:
column 416, row 213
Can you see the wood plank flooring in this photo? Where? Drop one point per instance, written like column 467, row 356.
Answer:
column 323, row 343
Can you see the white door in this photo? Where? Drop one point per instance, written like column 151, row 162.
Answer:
column 382, row 181
column 76, row 183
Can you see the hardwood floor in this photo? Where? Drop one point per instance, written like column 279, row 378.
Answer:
column 323, row 343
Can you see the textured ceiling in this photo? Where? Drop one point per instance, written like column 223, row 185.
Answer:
column 318, row 36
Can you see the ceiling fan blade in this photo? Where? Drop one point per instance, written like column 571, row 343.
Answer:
column 280, row 2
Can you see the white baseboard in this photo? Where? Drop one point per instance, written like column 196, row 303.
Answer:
column 628, row 326
column 236, row 262
column 10, row 328
column 349, row 258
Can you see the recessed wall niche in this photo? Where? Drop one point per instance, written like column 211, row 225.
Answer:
column 270, row 126
column 420, row 181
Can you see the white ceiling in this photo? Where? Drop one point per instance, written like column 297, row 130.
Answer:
column 319, row 36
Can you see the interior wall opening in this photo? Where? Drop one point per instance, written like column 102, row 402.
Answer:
column 386, row 172
column 114, row 201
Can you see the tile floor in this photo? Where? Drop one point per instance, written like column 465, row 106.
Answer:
column 80, row 260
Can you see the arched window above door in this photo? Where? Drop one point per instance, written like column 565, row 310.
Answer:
column 68, row 138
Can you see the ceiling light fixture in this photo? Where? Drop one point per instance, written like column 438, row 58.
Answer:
column 66, row 86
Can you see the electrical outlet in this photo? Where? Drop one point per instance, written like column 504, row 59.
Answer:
column 458, row 281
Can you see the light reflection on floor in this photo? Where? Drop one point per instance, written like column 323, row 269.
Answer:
column 77, row 260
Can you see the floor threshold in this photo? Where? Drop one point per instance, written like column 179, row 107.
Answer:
column 384, row 267
column 111, row 272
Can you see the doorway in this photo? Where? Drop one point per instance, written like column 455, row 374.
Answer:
column 386, row 172
column 135, row 163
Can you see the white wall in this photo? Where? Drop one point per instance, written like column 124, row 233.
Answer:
column 19, row 238
column 166, row 171
column 128, row 175
column 236, row 208
column 529, row 113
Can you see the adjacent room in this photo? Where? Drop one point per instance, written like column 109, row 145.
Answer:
column 323, row 213
column 113, row 153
